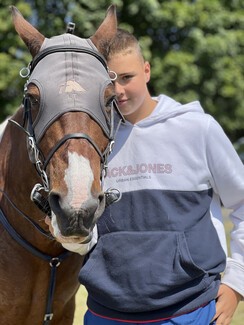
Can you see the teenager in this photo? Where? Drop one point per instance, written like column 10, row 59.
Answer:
column 158, row 258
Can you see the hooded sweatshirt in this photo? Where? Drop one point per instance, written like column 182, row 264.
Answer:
column 158, row 253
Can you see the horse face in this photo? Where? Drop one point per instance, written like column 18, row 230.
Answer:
column 64, row 103
column 74, row 171
column 76, row 197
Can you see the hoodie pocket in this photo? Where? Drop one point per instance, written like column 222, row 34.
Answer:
column 142, row 271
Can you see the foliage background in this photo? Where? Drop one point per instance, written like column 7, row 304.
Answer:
column 195, row 48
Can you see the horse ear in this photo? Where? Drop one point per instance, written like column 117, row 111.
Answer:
column 29, row 34
column 106, row 31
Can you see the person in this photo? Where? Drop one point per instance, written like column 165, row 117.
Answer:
column 160, row 255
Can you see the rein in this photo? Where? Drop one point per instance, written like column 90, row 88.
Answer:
column 54, row 262
column 32, row 222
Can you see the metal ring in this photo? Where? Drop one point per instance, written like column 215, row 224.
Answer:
column 116, row 192
column 55, row 262
column 38, row 187
column 24, row 72
column 113, row 75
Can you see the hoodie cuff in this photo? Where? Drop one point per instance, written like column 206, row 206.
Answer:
column 234, row 276
column 82, row 249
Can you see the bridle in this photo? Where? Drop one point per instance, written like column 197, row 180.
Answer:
column 35, row 154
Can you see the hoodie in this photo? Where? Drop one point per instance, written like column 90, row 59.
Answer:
column 159, row 254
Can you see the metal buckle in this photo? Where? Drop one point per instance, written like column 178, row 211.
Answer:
column 55, row 262
column 48, row 317
column 70, row 28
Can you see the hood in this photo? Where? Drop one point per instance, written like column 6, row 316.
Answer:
column 167, row 108
column 69, row 79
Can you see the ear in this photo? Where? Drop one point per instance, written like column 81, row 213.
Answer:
column 31, row 36
column 106, row 31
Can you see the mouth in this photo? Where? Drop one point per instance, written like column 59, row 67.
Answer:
column 73, row 235
column 82, row 236
column 76, row 239
column 122, row 102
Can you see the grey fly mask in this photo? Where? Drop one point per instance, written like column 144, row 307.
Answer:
column 72, row 74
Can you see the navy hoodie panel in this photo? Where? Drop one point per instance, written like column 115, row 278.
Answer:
column 169, row 234
column 155, row 315
column 180, row 211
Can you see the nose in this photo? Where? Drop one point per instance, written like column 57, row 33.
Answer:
column 119, row 89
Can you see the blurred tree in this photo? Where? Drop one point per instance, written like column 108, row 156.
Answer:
column 195, row 48
column 13, row 56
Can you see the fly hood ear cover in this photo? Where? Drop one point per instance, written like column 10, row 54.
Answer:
column 69, row 81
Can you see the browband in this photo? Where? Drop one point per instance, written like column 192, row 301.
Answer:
column 61, row 48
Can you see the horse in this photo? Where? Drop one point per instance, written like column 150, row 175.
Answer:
column 53, row 158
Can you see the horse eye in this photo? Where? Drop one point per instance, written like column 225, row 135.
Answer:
column 33, row 100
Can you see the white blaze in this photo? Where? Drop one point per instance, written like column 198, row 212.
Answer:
column 78, row 178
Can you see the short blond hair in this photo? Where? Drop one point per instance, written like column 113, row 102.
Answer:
column 125, row 42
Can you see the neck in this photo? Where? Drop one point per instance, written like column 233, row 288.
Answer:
column 144, row 111
column 17, row 178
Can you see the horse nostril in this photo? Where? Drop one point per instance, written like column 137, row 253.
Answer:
column 54, row 200
column 101, row 198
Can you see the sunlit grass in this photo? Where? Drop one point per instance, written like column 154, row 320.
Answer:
column 80, row 306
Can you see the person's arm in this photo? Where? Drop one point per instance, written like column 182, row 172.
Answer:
column 228, row 182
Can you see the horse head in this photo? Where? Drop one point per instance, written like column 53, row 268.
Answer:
column 70, row 118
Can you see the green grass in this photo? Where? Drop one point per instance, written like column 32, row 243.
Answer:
column 81, row 299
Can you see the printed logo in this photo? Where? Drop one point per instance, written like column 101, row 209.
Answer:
column 71, row 86
column 139, row 169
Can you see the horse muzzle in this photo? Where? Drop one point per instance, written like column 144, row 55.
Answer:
column 76, row 223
